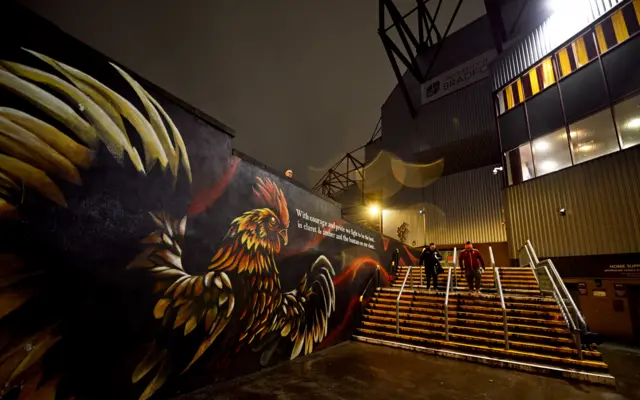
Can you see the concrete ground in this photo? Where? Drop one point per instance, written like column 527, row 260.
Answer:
column 356, row 370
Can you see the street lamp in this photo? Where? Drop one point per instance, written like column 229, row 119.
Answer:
column 374, row 210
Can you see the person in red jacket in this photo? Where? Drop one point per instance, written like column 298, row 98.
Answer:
column 471, row 262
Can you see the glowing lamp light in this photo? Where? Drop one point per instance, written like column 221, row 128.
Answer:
column 585, row 147
column 548, row 165
column 542, row 146
column 374, row 209
column 633, row 123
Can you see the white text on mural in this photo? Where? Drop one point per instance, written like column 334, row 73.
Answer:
column 331, row 229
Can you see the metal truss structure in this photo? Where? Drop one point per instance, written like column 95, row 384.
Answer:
column 341, row 176
column 406, row 52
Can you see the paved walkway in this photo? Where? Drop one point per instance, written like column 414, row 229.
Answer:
column 360, row 371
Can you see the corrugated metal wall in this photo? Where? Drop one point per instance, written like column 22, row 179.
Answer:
column 460, row 115
column 556, row 30
column 459, row 207
column 602, row 199
column 393, row 218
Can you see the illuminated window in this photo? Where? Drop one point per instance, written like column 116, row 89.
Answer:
column 551, row 153
column 593, row 137
column 628, row 121
column 519, row 165
column 576, row 55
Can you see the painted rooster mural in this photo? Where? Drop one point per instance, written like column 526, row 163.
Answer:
column 79, row 126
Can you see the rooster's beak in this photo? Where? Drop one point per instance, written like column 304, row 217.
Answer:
column 285, row 236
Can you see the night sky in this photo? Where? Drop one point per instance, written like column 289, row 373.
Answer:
column 301, row 81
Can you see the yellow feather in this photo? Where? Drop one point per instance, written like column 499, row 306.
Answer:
column 161, row 308
column 108, row 131
column 190, row 325
column 32, row 177
column 51, row 105
column 74, row 152
column 20, row 143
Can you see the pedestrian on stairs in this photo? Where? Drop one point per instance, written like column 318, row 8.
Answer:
column 430, row 259
column 472, row 264
column 395, row 261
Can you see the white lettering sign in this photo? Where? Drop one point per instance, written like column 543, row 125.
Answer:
column 453, row 80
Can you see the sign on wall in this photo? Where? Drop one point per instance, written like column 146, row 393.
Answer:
column 457, row 78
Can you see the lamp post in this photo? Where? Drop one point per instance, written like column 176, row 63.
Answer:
column 424, row 226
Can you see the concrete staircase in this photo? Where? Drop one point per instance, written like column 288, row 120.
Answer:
column 539, row 339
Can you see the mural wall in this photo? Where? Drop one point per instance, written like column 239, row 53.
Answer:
column 139, row 258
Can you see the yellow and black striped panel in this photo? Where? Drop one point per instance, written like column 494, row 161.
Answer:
column 545, row 69
column 576, row 55
column 511, row 96
column 537, row 79
column 619, row 27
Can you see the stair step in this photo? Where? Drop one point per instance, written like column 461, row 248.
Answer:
column 485, row 301
column 454, row 320
column 530, row 299
column 496, row 331
column 483, row 340
column 474, row 348
column 454, row 306
column 561, row 372
column 469, row 315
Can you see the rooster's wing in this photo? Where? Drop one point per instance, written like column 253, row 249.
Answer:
column 187, row 302
column 303, row 316
column 40, row 165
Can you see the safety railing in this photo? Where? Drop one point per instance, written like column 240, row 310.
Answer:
column 376, row 275
column 498, row 286
column 446, row 296
column 551, row 283
column 398, row 298
column 526, row 260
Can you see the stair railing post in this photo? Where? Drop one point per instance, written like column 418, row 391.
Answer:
column 446, row 307
column 455, row 267
column 398, row 300
column 578, row 339
column 493, row 265
column 533, row 252
column 498, row 285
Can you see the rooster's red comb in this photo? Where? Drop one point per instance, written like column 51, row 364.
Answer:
column 271, row 195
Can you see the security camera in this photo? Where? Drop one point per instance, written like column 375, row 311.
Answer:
column 496, row 170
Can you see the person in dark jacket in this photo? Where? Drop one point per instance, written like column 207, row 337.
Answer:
column 472, row 264
column 395, row 261
column 430, row 259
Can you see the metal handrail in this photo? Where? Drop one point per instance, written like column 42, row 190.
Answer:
column 582, row 322
column 565, row 311
column 446, row 296
column 446, row 306
column 498, row 285
column 576, row 324
column 532, row 266
column 532, row 255
column 398, row 300
column 376, row 272
column 533, row 252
